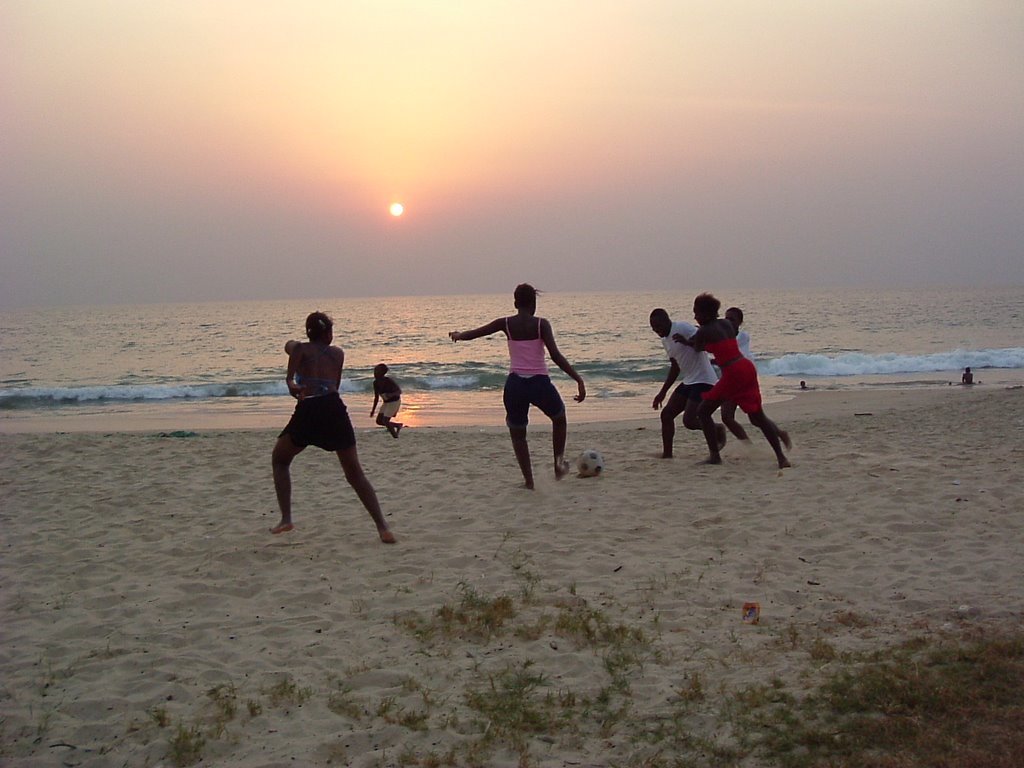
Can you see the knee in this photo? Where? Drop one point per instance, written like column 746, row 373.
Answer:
column 353, row 473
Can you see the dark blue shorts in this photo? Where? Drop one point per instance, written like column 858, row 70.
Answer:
column 694, row 391
column 521, row 392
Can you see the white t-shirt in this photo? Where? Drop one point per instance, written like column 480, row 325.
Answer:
column 694, row 366
column 743, row 342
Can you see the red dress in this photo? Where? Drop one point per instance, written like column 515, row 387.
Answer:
column 739, row 377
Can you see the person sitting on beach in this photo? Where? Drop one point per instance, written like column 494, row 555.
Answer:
column 735, row 316
column 968, row 377
column 389, row 394
column 698, row 378
column 528, row 382
column 320, row 419
column 738, row 382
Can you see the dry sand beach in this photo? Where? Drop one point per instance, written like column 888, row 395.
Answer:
column 150, row 619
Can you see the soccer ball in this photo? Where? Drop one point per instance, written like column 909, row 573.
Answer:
column 590, row 463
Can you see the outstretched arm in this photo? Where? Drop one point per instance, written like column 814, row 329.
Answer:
column 484, row 330
column 559, row 359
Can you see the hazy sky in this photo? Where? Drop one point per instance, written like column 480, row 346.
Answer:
column 192, row 150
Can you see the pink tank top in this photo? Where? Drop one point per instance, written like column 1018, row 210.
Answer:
column 526, row 356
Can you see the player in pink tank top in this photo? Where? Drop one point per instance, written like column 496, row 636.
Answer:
column 737, row 383
column 528, row 382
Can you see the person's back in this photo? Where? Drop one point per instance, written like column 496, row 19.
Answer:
column 318, row 368
column 968, row 377
column 526, row 349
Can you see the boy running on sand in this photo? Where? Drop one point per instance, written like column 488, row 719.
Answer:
column 387, row 391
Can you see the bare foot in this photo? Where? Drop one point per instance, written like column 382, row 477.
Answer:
column 387, row 536
column 722, row 436
column 282, row 528
column 716, row 459
column 784, row 463
column 784, row 437
column 666, row 455
column 561, row 469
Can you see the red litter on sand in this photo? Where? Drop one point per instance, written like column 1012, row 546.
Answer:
column 751, row 613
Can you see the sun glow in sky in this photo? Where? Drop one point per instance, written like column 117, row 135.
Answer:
column 396, row 209
column 185, row 150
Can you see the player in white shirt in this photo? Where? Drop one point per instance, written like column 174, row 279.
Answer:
column 698, row 378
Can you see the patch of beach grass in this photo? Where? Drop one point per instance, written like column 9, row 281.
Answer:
column 286, row 691
column 186, row 745
column 928, row 702
column 474, row 617
column 510, row 707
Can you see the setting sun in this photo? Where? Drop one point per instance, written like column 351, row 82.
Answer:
column 397, row 209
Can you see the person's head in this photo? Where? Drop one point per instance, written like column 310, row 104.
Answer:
column 319, row 327
column 803, row 385
column 967, row 369
column 735, row 316
column 290, row 345
column 525, row 297
column 661, row 323
column 705, row 308
column 380, row 371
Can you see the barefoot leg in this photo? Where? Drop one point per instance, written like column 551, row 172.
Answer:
column 284, row 451
column 522, row 451
column 559, row 432
column 705, row 412
column 771, row 433
column 355, row 476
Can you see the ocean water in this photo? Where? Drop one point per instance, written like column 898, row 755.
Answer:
column 221, row 365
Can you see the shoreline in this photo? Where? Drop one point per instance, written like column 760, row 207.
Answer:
column 484, row 412
column 432, row 410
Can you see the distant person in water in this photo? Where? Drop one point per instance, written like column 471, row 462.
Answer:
column 320, row 419
column 698, row 377
column 803, row 385
column 738, row 382
column 735, row 316
column 389, row 394
column 528, row 382
column 968, row 377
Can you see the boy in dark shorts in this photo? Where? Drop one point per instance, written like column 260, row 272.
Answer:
column 698, row 378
